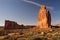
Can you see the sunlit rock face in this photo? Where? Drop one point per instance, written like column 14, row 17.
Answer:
column 44, row 18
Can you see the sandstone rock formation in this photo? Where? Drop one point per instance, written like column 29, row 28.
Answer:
column 10, row 24
column 44, row 18
column 13, row 25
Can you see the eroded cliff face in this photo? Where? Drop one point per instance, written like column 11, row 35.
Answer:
column 10, row 25
column 44, row 18
column 14, row 25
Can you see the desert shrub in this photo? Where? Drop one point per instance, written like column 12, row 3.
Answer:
column 7, row 38
column 56, row 36
column 21, row 33
column 37, row 39
column 48, row 35
column 40, row 38
column 2, row 33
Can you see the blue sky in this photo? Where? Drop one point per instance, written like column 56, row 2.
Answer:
column 25, row 11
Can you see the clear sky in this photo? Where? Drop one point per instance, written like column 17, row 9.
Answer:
column 25, row 11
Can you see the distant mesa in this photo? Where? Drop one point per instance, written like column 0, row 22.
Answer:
column 13, row 25
column 55, row 26
column 10, row 24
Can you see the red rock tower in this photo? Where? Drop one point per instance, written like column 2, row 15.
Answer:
column 44, row 18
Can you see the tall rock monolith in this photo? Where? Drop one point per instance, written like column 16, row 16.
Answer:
column 44, row 18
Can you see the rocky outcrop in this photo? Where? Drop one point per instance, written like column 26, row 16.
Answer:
column 44, row 18
column 13, row 25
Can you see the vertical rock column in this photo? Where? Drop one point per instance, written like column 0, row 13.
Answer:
column 44, row 18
